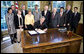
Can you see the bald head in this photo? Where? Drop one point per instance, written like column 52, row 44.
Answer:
column 46, row 7
column 54, row 10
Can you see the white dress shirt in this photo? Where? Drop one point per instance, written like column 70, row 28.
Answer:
column 24, row 12
column 45, row 12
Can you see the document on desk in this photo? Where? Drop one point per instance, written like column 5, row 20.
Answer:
column 36, row 32
column 40, row 31
column 33, row 32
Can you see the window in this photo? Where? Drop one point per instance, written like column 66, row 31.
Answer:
column 58, row 4
column 31, row 4
column 4, row 7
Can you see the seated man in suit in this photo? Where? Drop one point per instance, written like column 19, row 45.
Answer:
column 41, row 24
column 75, row 19
column 62, row 17
column 55, row 20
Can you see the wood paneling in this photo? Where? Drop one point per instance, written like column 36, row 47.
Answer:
column 80, row 29
column 42, row 4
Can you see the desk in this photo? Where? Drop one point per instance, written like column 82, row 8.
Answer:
column 51, row 42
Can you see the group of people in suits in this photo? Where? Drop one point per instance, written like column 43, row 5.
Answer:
column 23, row 19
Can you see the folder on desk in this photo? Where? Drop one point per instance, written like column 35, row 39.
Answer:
column 36, row 32
column 32, row 32
column 41, row 31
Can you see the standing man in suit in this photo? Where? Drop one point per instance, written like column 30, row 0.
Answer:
column 55, row 20
column 24, row 12
column 37, row 14
column 62, row 17
column 69, row 16
column 15, row 13
column 13, row 10
column 75, row 19
column 46, row 13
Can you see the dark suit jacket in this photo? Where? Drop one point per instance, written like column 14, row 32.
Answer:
column 47, row 16
column 75, row 19
column 26, row 12
column 16, row 22
column 14, row 12
column 63, row 19
column 56, row 21
column 43, row 26
column 68, row 16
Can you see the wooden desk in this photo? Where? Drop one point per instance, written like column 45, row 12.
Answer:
column 80, row 29
column 51, row 42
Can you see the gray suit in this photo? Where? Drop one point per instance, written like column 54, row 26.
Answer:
column 10, row 23
column 63, row 20
column 37, row 16
column 55, row 21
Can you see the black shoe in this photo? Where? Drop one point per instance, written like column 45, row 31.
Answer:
column 12, row 42
column 18, row 41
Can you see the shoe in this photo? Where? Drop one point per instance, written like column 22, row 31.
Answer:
column 12, row 42
column 18, row 41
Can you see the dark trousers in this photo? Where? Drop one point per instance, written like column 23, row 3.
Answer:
column 13, row 38
column 73, row 28
column 68, row 27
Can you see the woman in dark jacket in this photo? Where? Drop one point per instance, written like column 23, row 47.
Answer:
column 18, row 24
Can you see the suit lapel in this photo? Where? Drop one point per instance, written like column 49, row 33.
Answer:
column 55, row 15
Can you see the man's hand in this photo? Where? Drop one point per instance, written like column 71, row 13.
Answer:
column 57, row 25
column 32, row 24
column 64, row 24
column 45, row 29
column 68, row 24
